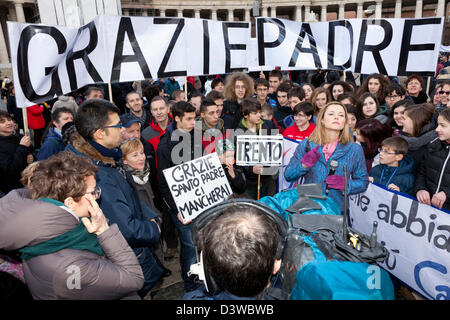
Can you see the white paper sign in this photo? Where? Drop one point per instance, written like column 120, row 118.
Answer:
column 416, row 235
column 289, row 147
column 197, row 185
column 254, row 150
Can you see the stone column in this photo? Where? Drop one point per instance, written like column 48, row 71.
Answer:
column 180, row 13
column 273, row 12
column 230, row 15
column 248, row 15
column 197, row 13
column 323, row 13
column 162, row 12
column 3, row 49
column 398, row 9
column 359, row 11
column 214, row 14
column 19, row 11
column 144, row 13
column 378, row 9
column 307, row 10
column 298, row 13
column 264, row 12
column 419, row 8
column 341, row 15
column 440, row 10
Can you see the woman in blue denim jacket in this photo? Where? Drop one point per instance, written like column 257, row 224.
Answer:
column 331, row 140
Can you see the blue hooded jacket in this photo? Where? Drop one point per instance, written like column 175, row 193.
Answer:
column 52, row 145
column 402, row 176
column 350, row 155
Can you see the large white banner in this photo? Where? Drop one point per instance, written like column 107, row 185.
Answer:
column 197, row 185
column 49, row 61
column 416, row 235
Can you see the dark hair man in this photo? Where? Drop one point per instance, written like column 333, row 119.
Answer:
column 134, row 103
column 98, row 136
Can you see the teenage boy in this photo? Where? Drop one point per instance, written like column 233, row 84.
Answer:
column 295, row 96
column 303, row 127
column 283, row 109
column 261, row 90
column 395, row 170
column 251, row 123
column 209, row 122
column 266, row 112
column 394, row 93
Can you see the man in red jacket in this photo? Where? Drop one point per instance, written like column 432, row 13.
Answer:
column 160, row 120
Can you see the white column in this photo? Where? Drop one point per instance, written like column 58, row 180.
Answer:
column 398, row 9
column 341, row 15
column 307, row 10
column 247, row 15
column 214, row 14
column 3, row 50
column 359, row 11
column 264, row 12
column 378, row 8
column 440, row 10
column 180, row 13
column 230, row 15
column 273, row 12
column 126, row 12
column 19, row 11
column 419, row 8
column 162, row 12
column 323, row 13
column 298, row 13
column 144, row 13
column 197, row 13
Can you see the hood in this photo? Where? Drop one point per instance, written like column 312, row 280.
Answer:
column 25, row 222
column 243, row 125
column 52, row 134
column 406, row 165
column 80, row 145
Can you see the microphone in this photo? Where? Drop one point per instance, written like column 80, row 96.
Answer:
column 333, row 166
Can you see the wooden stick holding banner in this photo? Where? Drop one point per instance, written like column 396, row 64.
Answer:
column 428, row 86
column 110, row 92
column 185, row 88
column 26, row 131
column 259, row 175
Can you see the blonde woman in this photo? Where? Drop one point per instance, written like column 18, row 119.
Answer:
column 331, row 140
column 238, row 86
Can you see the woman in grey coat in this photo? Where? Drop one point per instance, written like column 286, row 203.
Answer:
column 68, row 249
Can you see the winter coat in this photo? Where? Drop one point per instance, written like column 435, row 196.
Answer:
column 25, row 222
column 35, row 117
column 417, row 145
column 209, row 135
column 280, row 114
column 231, row 114
column 52, row 145
column 402, row 176
column 154, row 132
column 434, row 170
column 421, row 98
column 170, row 87
column 165, row 160
column 293, row 132
column 13, row 159
column 118, row 201
column 350, row 155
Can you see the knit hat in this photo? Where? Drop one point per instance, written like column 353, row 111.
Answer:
column 67, row 102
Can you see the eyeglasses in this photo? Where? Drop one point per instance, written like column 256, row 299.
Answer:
column 119, row 125
column 96, row 193
column 385, row 152
column 444, row 92
column 395, row 96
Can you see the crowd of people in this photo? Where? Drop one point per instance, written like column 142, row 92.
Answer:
column 83, row 186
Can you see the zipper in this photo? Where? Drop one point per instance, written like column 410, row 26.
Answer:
column 442, row 171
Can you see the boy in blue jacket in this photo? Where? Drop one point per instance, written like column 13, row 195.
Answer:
column 395, row 170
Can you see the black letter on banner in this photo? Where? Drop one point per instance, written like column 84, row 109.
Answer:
column 162, row 67
column 205, row 47
column 407, row 46
column 362, row 47
column 305, row 30
column 228, row 46
column 22, row 63
column 83, row 54
column 125, row 26
column 261, row 44
column 331, row 40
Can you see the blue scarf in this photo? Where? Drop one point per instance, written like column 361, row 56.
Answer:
column 115, row 153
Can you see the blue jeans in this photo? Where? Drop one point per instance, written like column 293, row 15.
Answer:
column 151, row 270
column 188, row 254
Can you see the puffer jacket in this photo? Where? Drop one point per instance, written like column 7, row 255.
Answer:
column 25, row 222
column 13, row 159
column 350, row 155
column 402, row 176
column 434, row 170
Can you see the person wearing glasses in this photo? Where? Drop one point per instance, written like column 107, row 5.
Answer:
column 395, row 170
column 414, row 88
column 99, row 134
column 69, row 251
column 394, row 93
column 444, row 96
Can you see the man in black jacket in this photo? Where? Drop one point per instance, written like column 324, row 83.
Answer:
column 177, row 146
column 15, row 154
